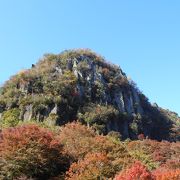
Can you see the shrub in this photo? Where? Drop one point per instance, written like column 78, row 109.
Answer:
column 146, row 159
column 83, row 66
column 77, row 139
column 10, row 118
column 136, row 172
column 80, row 140
column 165, row 174
column 160, row 152
column 30, row 150
column 98, row 115
column 115, row 135
column 63, row 85
column 93, row 166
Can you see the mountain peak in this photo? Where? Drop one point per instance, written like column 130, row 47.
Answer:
column 81, row 85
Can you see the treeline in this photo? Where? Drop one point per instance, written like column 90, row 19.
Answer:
column 77, row 152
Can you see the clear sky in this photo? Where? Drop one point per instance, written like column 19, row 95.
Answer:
column 141, row 36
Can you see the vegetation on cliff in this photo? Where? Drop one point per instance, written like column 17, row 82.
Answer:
column 74, row 116
column 79, row 84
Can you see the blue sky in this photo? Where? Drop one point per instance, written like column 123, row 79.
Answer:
column 143, row 37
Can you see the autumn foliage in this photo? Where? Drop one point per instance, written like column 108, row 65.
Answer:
column 167, row 174
column 77, row 139
column 136, row 172
column 93, row 166
column 140, row 172
column 76, row 152
column 166, row 154
column 30, row 150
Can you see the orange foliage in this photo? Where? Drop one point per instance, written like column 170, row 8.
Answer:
column 30, row 150
column 80, row 140
column 140, row 172
column 77, row 139
column 167, row 174
column 94, row 166
column 136, row 172
column 162, row 152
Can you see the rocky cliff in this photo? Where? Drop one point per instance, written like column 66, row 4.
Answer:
column 81, row 85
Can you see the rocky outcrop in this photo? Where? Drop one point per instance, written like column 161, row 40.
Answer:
column 137, row 102
column 27, row 115
column 47, row 91
column 119, row 101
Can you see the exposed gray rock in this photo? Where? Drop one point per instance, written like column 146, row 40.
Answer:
column 24, row 88
column 118, row 99
column 137, row 101
column 75, row 62
column 80, row 74
column 55, row 109
column 131, row 103
column 128, row 104
column 88, row 78
column 75, row 72
column 58, row 70
column 28, row 114
column 38, row 116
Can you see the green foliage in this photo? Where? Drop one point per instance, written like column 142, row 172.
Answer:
column 63, row 85
column 54, row 81
column 98, row 116
column 44, row 124
column 134, row 127
column 115, row 135
column 10, row 118
column 83, row 66
column 145, row 158
column 51, row 119
column 98, row 90
column 154, row 153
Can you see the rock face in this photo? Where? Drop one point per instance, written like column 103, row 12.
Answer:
column 28, row 113
column 61, row 85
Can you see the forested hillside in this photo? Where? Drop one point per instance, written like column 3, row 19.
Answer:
column 75, row 116
column 81, row 85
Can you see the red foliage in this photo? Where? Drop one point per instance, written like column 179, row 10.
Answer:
column 172, row 164
column 161, row 152
column 77, row 139
column 93, row 166
column 164, row 174
column 141, row 137
column 24, row 135
column 136, row 172
column 30, row 150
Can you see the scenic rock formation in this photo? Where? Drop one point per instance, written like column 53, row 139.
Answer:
column 81, row 85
